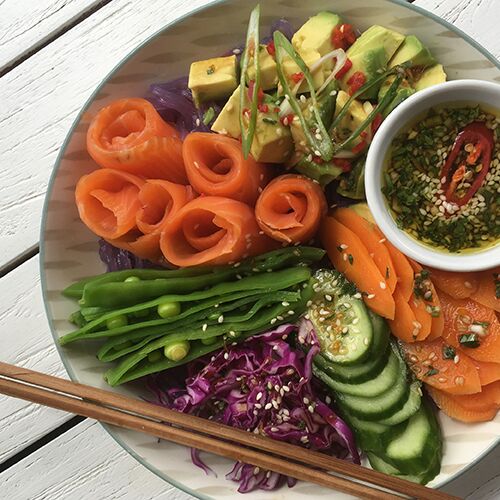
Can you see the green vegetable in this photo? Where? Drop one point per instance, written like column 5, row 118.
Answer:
column 449, row 352
column 116, row 321
column 131, row 279
column 469, row 340
column 208, row 116
column 169, row 309
column 251, row 47
column 324, row 145
column 383, row 103
column 176, row 351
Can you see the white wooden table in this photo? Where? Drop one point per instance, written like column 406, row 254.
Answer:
column 53, row 53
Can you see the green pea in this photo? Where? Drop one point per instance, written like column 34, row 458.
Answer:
column 169, row 309
column 132, row 279
column 176, row 350
column 154, row 356
column 209, row 340
column 116, row 322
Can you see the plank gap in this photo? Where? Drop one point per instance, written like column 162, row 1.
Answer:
column 40, row 443
column 19, row 260
column 56, row 34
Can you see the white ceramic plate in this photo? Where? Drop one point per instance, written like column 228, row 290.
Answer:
column 69, row 250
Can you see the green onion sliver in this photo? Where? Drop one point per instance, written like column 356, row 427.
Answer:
column 252, row 45
column 323, row 146
column 384, row 102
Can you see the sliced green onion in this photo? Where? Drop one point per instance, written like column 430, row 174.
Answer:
column 323, row 146
column 252, row 43
column 384, row 102
column 208, row 116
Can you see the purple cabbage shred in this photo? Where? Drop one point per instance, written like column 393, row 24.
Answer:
column 265, row 386
column 116, row 259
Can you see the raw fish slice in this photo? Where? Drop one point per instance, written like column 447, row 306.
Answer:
column 129, row 135
column 290, row 209
column 215, row 166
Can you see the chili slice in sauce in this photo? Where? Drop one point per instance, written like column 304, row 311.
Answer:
column 479, row 158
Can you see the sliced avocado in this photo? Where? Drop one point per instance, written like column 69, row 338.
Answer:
column 290, row 69
column 431, row 76
column 324, row 173
column 352, row 184
column 412, row 49
column 316, row 33
column 326, row 107
column 213, row 78
column 272, row 142
column 404, row 91
column 354, row 117
column 370, row 55
column 228, row 121
column 267, row 66
column 377, row 36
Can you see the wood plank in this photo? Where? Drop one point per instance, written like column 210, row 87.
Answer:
column 84, row 463
column 26, row 341
column 23, row 29
column 40, row 100
column 479, row 19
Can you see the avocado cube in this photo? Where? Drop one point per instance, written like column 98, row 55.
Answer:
column 326, row 107
column 375, row 37
column 431, row 76
column 290, row 68
column 404, row 91
column 354, row 117
column 213, row 78
column 412, row 50
column 267, row 66
column 228, row 121
column 316, row 33
column 272, row 142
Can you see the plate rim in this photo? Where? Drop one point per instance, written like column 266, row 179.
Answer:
column 108, row 428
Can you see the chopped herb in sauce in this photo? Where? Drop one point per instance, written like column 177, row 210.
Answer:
column 208, row 116
column 211, row 70
column 351, row 259
column 469, row 340
column 432, row 371
column 442, row 187
column 449, row 352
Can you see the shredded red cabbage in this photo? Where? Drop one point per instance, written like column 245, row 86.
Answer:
column 117, row 259
column 265, row 386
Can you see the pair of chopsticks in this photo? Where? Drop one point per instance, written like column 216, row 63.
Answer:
column 195, row 432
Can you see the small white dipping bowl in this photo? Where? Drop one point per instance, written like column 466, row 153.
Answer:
column 449, row 93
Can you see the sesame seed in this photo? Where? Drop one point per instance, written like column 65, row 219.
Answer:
column 459, row 380
column 197, row 122
column 383, row 285
column 220, row 319
column 370, row 296
column 285, row 304
column 311, row 408
column 274, row 429
column 273, row 320
column 304, row 439
column 275, row 404
column 456, row 359
column 204, row 327
column 256, row 471
column 226, row 355
column 305, row 401
column 268, row 406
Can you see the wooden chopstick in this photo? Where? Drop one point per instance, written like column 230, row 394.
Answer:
column 137, row 415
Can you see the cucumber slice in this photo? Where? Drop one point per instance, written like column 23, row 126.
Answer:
column 383, row 405
column 367, row 370
column 413, row 450
column 378, row 463
column 372, row 436
column 371, row 388
column 409, row 409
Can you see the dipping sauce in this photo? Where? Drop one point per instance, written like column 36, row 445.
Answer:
column 442, row 179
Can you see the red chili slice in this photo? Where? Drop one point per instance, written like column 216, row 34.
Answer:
column 359, row 147
column 271, row 49
column 377, row 121
column 356, row 81
column 481, row 137
column 343, row 36
column 345, row 68
column 345, row 165
column 297, row 77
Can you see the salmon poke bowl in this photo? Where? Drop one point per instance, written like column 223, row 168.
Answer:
column 207, row 243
